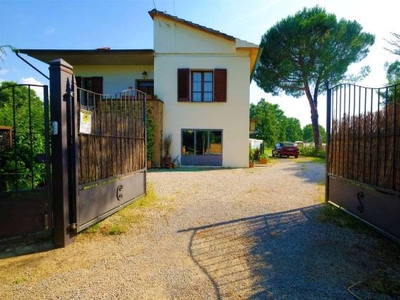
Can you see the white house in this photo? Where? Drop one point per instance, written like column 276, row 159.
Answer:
column 201, row 75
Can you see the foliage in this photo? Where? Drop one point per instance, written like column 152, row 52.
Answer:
column 28, row 136
column 251, row 153
column 394, row 43
column 263, row 155
column 391, row 92
column 338, row 217
column 303, row 52
column 150, row 129
column 293, row 130
column 3, row 51
column 392, row 74
column 312, row 152
column 167, row 142
column 308, row 136
column 272, row 124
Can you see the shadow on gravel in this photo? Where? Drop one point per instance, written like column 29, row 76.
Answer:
column 285, row 255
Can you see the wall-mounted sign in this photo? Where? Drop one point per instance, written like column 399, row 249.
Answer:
column 85, row 125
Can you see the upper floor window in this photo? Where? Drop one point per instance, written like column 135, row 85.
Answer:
column 202, row 86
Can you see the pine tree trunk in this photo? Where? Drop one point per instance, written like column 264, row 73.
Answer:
column 314, row 118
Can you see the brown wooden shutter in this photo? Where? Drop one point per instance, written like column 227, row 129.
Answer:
column 183, row 85
column 97, row 85
column 220, row 76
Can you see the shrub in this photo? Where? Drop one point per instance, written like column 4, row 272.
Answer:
column 150, row 129
column 312, row 152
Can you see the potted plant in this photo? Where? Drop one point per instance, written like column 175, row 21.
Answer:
column 167, row 141
column 263, row 159
column 150, row 130
column 251, row 157
column 256, row 154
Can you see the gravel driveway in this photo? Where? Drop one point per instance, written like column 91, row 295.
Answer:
column 216, row 234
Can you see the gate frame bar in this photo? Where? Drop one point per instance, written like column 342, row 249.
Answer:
column 328, row 137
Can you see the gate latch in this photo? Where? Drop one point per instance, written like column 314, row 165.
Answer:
column 119, row 192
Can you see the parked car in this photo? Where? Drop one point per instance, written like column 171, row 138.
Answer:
column 285, row 149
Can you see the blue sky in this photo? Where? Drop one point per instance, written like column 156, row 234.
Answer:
column 125, row 24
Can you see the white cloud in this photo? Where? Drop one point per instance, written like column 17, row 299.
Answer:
column 30, row 80
column 4, row 71
column 49, row 31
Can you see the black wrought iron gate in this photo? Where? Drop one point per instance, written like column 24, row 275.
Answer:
column 363, row 166
column 25, row 167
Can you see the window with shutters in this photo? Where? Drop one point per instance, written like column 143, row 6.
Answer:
column 202, row 85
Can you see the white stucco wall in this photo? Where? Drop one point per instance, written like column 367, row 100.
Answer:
column 177, row 46
column 116, row 78
column 172, row 37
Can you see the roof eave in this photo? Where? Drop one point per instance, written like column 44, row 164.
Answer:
column 94, row 57
column 255, row 62
column 155, row 13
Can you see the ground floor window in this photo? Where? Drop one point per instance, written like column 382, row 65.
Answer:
column 201, row 147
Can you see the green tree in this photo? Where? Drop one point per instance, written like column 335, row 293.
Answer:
column 393, row 81
column 393, row 69
column 28, row 140
column 392, row 73
column 308, row 136
column 293, row 130
column 303, row 52
column 272, row 124
column 394, row 43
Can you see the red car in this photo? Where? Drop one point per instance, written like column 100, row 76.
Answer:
column 285, row 149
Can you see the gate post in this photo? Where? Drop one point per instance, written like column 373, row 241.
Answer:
column 328, row 137
column 61, row 78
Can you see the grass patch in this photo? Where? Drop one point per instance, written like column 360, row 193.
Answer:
column 120, row 222
column 308, row 159
column 20, row 280
column 340, row 218
column 386, row 282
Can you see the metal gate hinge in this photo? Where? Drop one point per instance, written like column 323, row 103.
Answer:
column 72, row 227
